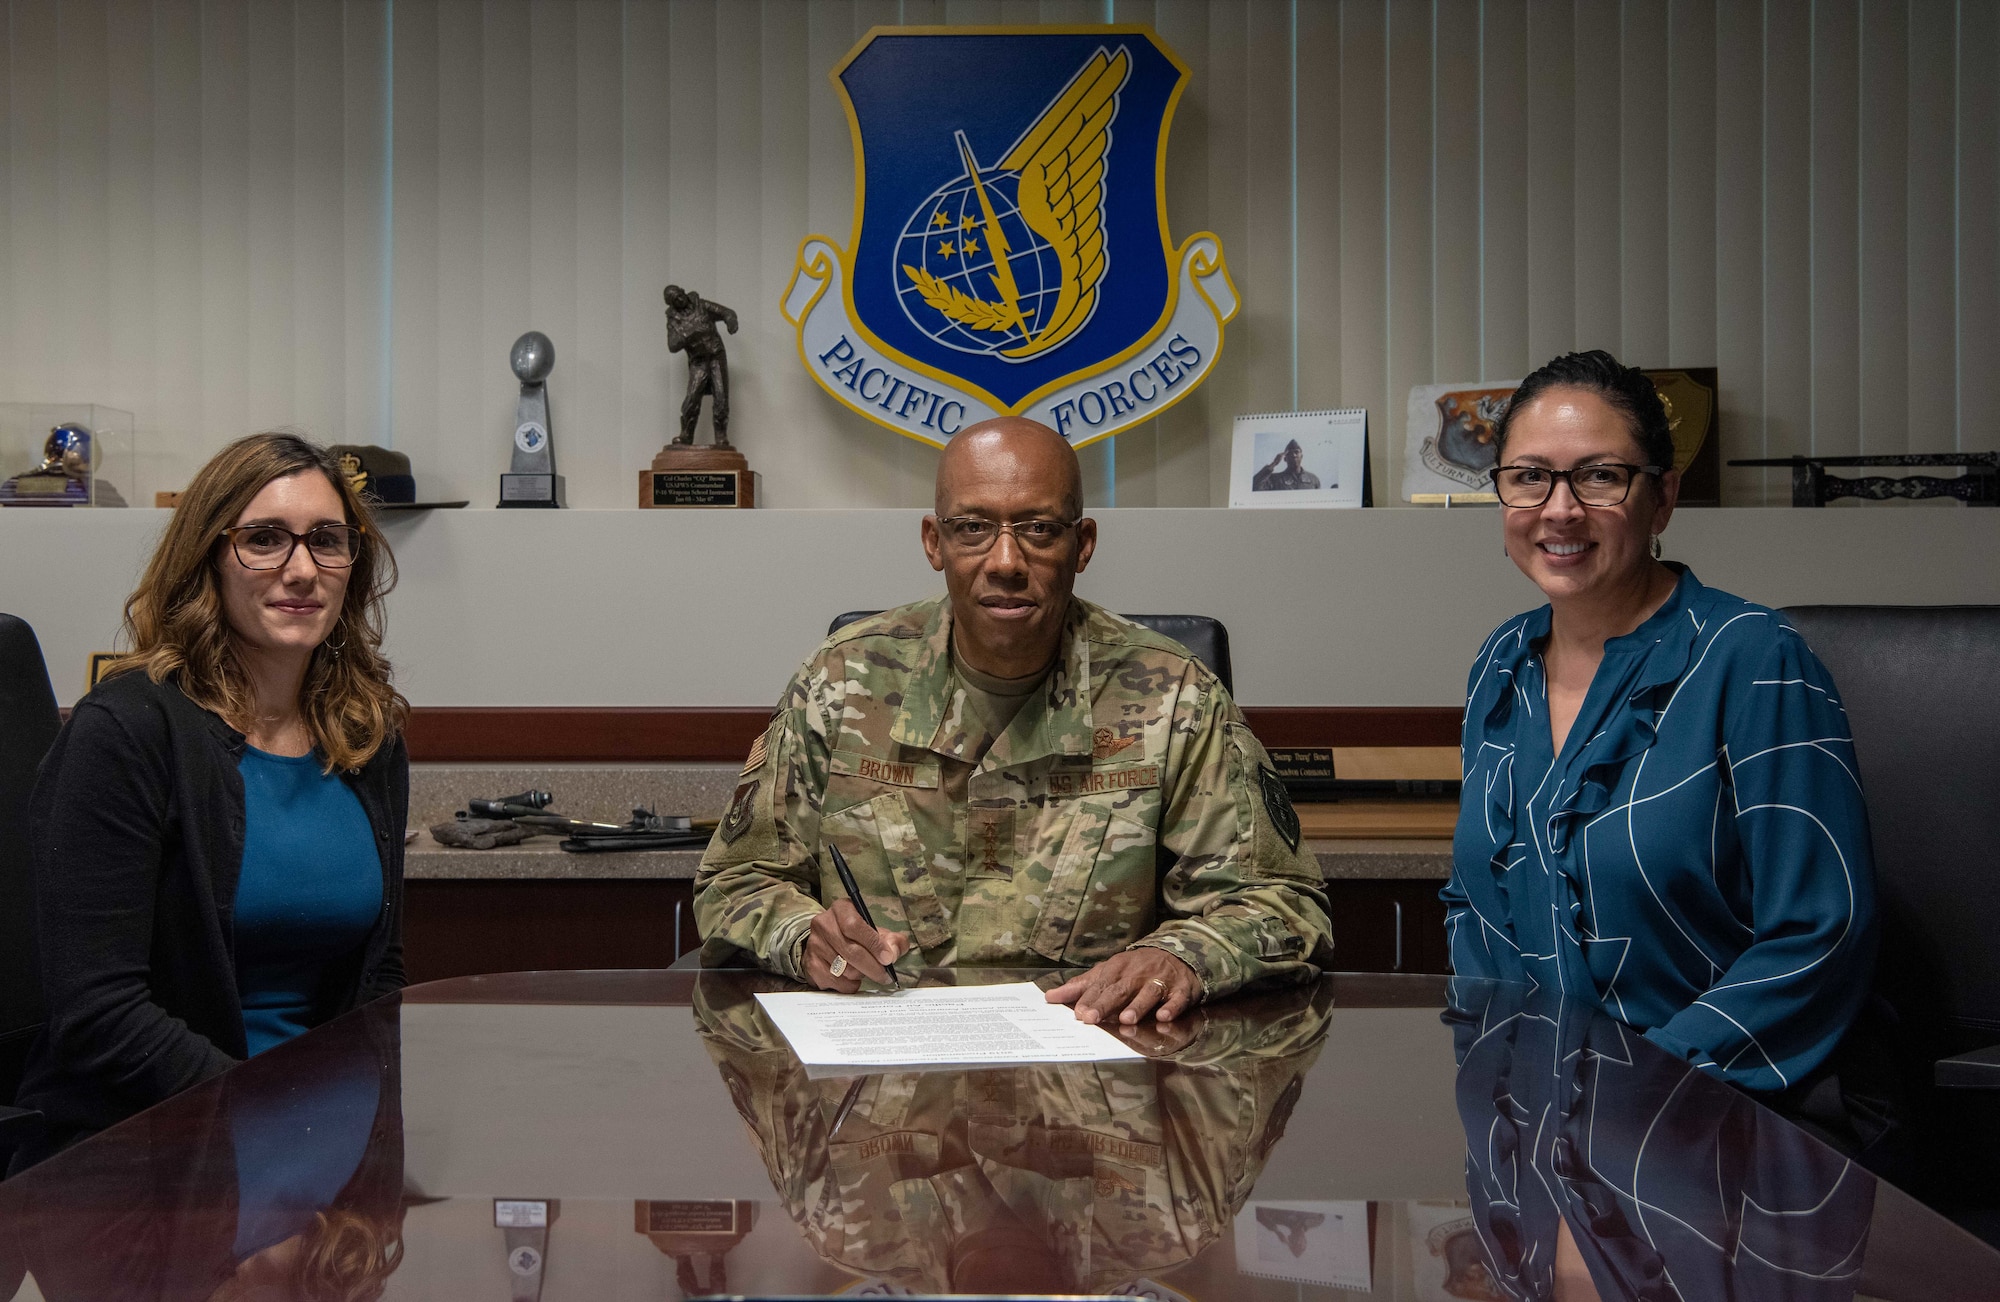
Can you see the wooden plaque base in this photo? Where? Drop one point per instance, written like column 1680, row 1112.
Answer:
column 686, row 476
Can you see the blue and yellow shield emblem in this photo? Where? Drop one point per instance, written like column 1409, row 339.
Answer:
column 1010, row 252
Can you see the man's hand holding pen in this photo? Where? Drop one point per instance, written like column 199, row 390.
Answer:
column 844, row 946
column 839, row 932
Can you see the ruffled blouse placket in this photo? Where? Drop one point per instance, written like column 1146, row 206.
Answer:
column 1555, row 795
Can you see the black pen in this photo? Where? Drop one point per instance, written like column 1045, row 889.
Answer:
column 854, row 897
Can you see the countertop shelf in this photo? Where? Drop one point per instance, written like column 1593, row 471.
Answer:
column 1408, row 820
column 1352, row 858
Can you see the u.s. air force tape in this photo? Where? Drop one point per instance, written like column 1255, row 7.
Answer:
column 1278, row 803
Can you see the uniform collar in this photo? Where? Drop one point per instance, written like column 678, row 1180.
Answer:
column 1054, row 721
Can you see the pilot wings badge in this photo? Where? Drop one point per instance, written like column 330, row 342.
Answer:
column 1010, row 253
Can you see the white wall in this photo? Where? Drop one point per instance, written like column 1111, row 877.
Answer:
column 226, row 215
column 718, row 608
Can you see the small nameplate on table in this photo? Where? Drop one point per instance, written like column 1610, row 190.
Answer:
column 1303, row 763
column 701, row 488
column 1309, row 777
column 1306, row 771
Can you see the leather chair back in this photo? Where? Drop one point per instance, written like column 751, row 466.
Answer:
column 1201, row 634
column 1921, row 685
column 28, row 726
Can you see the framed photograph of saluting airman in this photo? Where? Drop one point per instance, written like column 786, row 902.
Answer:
column 1301, row 458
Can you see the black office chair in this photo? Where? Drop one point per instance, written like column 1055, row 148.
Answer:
column 1201, row 634
column 28, row 725
column 1921, row 685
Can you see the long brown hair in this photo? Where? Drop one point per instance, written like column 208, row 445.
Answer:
column 346, row 1257
column 343, row 1256
column 176, row 626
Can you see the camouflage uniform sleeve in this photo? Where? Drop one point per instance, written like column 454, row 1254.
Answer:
column 1245, row 900
column 1230, row 1094
column 757, row 890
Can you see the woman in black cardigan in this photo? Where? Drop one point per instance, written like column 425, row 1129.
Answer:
column 217, row 835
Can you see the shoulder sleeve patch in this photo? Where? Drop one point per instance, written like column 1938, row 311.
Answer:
column 737, row 821
column 1278, row 803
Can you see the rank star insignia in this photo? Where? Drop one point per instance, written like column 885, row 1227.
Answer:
column 1042, row 150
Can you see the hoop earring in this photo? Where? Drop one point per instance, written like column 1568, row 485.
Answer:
column 1656, row 547
column 334, row 648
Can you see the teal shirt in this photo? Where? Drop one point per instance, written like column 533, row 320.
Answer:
column 1695, row 861
column 309, row 893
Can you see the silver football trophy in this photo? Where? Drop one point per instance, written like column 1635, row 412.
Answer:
column 532, row 479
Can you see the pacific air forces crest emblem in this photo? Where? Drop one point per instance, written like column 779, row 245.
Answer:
column 1010, row 253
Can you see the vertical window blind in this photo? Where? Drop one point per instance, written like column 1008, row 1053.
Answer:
column 227, row 215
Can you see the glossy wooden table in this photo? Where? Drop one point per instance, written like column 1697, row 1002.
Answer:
column 645, row 1135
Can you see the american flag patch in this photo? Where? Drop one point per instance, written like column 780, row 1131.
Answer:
column 757, row 753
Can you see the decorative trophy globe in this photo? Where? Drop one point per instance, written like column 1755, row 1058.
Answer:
column 532, row 479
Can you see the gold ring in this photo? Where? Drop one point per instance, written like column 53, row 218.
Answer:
column 838, row 965
column 1161, row 984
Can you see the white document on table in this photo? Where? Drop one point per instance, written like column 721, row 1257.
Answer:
column 936, row 1026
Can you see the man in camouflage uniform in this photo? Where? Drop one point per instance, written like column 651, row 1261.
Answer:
column 1077, row 1178
column 1018, row 778
column 1293, row 476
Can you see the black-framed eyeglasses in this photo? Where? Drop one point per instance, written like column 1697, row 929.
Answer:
column 1602, row 483
column 270, row 546
column 975, row 534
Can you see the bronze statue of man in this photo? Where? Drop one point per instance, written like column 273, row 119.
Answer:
column 691, row 329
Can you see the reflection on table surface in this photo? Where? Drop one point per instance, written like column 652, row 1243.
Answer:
column 648, row 1135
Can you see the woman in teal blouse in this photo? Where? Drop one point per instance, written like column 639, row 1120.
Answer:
column 1661, row 814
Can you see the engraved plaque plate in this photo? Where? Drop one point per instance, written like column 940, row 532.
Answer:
column 1306, row 763
column 717, row 1216
column 697, row 488
column 531, row 490
column 33, row 485
column 520, row 1213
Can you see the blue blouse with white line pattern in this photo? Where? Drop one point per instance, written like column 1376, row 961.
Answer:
column 1696, row 860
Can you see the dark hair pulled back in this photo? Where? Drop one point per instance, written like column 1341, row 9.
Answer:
column 1625, row 388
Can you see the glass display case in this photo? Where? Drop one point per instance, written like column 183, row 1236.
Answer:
column 64, row 454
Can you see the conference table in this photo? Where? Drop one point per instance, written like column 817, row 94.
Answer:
column 649, row 1135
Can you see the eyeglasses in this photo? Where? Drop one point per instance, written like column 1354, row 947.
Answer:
column 1603, row 483
column 970, row 533
column 269, row 547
